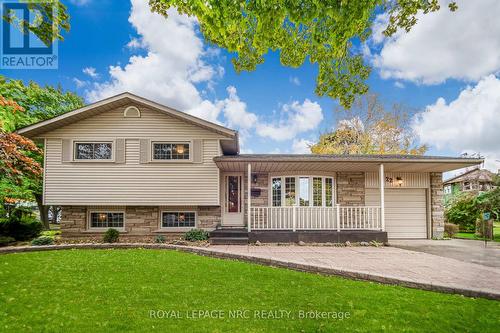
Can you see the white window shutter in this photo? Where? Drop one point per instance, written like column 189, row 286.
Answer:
column 66, row 151
column 145, row 150
column 197, row 151
column 120, row 151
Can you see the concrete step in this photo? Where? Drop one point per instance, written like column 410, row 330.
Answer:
column 229, row 233
column 228, row 240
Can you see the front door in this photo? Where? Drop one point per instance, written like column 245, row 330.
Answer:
column 233, row 200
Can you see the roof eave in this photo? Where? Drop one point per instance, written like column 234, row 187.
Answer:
column 37, row 128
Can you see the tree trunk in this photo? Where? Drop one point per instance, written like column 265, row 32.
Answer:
column 44, row 211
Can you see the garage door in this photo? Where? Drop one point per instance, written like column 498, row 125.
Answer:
column 405, row 211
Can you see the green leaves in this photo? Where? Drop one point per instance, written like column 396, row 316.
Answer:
column 50, row 18
column 318, row 30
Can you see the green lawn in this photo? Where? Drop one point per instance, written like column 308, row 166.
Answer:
column 115, row 290
column 471, row 235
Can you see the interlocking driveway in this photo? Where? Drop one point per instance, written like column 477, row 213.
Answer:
column 389, row 263
column 472, row 251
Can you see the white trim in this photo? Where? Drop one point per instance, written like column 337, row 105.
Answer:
column 161, row 228
column 249, row 196
column 382, row 196
column 105, row 211
column 297, row 189
column 172, row 142
column 132, row 108
column 74, row 142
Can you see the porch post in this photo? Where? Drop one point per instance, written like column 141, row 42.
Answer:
column 382, row 198
column 249, row 196
column 337, row 212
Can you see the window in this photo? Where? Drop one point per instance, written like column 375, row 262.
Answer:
column 467, row 186
column 178, row 219
column 289, row 191
column 328, row 192
column 106, row 220
column 447, row 189
column 276, row 192
column 304, row 191
column 170, row 151
column 317, row 191
column 233, row 188
column 93, row 150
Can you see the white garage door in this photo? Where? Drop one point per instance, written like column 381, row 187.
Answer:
column 405, row 211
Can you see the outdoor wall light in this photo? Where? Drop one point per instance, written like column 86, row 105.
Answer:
column 254, row 178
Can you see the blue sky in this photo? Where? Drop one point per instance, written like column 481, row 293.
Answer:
column 446, row 73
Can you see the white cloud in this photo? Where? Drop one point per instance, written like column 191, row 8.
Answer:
column 461, row 45
column 301, row 146
column 235, row 111
column 177, row 70
column 135, row 43
column 80, row 83
column 90, row 71
column 399, row 85
column 470, row 123
column 296, row 118
column 294, row 80
column 173, row 64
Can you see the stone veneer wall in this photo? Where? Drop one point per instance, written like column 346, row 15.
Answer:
column 140, row 221
column 263, row 199
column 351, row 188
column 437, row 208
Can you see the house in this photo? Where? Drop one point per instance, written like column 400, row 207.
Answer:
column 474, row 181
column 146, row 169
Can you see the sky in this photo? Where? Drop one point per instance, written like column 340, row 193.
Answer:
column 446, row 68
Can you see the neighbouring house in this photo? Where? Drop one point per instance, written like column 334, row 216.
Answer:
column 146, row 169
column 474, row 181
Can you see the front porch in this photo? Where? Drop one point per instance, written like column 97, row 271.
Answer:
column 294, row 197
column 272, row 204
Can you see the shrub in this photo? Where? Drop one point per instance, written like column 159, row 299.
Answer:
column 6, row 240
column 194, row 235
column 450, row 229
column 463, row 211
column 42, row 240
column 51, row 233
column 21, row 227
column 111, row 236
column 160, row 239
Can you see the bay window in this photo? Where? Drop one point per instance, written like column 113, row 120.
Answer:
column 305, row 191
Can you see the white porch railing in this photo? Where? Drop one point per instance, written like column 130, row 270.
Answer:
column 315, row 218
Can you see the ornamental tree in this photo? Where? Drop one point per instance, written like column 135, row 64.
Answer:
column 21, row 159
column 370, row 128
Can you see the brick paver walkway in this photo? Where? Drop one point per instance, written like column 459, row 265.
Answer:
column 385, row 262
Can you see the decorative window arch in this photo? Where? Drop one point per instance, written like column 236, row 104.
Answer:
column 131, row 112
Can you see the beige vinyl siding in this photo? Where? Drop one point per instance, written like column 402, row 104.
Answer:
column 131, row 183
column 405, row 211
column 410, row 180
column 151, row 124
